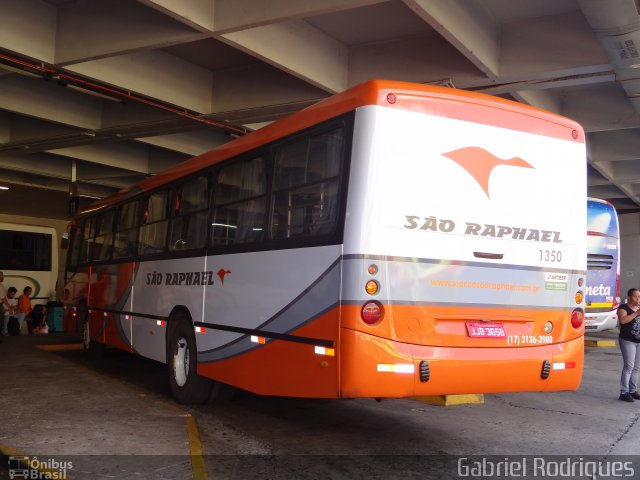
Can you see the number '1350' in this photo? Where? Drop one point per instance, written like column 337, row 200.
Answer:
column 550, row 255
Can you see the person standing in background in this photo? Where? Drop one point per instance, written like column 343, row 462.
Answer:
column 24, row 305
column 3, row 290
column 10, row 308
column 630, row 346
column 3, row 305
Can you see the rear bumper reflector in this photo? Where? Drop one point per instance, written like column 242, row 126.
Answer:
column 396, row 368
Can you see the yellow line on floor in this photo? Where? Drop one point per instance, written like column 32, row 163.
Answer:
column 196, row 451
column 599, row 342
column 198, row 468
column 61, row 347
column 449, row 400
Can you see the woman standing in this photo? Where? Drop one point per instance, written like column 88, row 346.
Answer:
column 630, row 345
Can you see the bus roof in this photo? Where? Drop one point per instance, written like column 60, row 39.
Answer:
column 442, row 101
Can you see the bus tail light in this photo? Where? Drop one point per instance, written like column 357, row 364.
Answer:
column 579, row 297
column 372, row 287
column 577, row 317
column 372, row 313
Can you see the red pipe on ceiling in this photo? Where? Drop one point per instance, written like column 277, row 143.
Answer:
column 48, row 72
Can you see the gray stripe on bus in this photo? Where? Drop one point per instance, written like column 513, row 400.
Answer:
column 390, row 258
column 460, row 304
column 316, row 300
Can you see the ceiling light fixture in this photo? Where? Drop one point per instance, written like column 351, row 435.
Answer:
column 2, row 187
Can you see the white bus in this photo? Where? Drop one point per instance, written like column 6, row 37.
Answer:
column 602, row 295
column 29, row 257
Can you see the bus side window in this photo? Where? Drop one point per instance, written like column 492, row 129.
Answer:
column 76, row 243
column 306, row 185
column 124, row 244
column 191, row 212
column 152, row 238
column 104, row 236
column 239, row 203
column 87, row 242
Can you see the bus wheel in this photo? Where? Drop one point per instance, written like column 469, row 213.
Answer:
column 186, row 385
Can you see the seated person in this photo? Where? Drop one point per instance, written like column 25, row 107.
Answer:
column 37, row 320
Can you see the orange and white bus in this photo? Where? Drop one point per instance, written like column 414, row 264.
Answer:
column 394, row 240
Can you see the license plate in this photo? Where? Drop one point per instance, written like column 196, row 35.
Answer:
column 485, row 330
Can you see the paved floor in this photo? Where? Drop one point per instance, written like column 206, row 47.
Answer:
column 56, row 409
column 114, row 418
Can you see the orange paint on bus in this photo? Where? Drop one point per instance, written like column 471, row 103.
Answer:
column 269, row 369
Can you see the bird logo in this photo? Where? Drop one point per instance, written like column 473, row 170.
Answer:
column 221, row 273
column 480, row 164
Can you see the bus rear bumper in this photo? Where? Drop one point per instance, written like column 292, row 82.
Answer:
column 377, row 367
column 599, row 322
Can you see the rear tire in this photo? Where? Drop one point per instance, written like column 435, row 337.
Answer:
column 187, row 386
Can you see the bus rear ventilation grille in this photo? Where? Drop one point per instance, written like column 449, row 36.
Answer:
column 599, row 262
column 546, row 369
column 424, row 371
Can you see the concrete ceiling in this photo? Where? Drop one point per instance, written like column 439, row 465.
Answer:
column 178, row 78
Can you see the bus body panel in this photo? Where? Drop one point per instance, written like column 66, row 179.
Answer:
column 278, row 291
column 41, row 280
column 464, row 223
column 285, row 368
column 409, row 193
column 602, row 294
column 293, row 292
column 384, row 368
column 156, row 294
column 76, row 289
